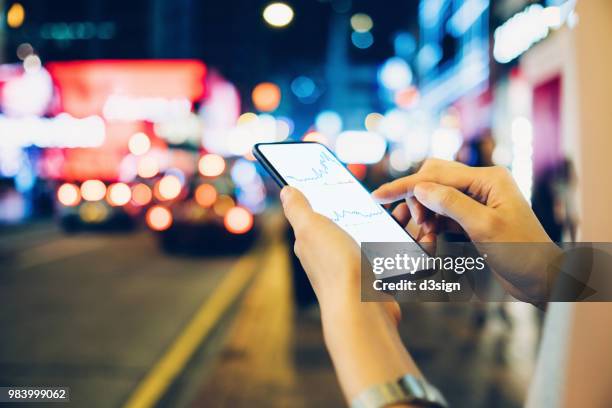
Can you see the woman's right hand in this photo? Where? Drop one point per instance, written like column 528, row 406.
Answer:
column 487, row 204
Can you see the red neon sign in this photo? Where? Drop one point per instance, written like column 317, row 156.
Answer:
column 85, row 86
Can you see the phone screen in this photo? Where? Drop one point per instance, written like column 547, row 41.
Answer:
column 333, row 191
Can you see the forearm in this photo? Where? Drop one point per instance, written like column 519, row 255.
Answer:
column 365, row 346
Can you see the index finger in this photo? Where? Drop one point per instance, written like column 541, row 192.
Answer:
column 444, row 172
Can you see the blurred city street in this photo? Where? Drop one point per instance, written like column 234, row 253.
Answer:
column 145, row 260
column 108, row 314
column 94, row 311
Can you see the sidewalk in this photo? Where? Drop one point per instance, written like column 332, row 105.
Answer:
column 273, row 357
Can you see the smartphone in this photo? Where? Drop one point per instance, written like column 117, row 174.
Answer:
column 331, row 189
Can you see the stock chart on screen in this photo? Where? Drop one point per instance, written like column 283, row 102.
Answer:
column 333, row 191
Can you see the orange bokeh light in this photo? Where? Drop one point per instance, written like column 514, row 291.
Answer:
column 238, row 220
column 159, row 218
column 15, row 16
column 206, row 195
column 141, row 194
column 266, row 96
column 68, row 194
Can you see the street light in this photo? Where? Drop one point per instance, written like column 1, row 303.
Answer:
column 278, row 14
column 15, row 15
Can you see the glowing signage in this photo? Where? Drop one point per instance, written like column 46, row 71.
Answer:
column 453, row 56
column 528, row 27
column 86, row 86
column 61, row 131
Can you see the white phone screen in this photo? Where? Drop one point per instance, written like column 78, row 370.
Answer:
column 333, row 191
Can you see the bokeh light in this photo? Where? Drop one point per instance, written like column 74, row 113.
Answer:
column 223, row 205
column 119, row 194
column 361, row 22
column 15, row 16
column 358, row 170
column 329, row 123
column 404, row 44
column 406, row 98
column 238, row 220
column 266, row 96
column 398, row 160
column 362, row 40
column 205, row 195
column 68, row 194
column 141, row 194
column 93, row 190
column 243, row 172
column 159, row 218
column 286, row 121
column 364, row 147
column 395, row 125
column 395, row 74
column 24, row 50
column 148, row 167
column 139, row 144
column 247, row 117
column 317, row 137
column 283, row 129
column 93, row 212
column 32, row 63
column 303, row 87
column 278, row 14
column 373, row 121
column 211, row 165
column 169, row 187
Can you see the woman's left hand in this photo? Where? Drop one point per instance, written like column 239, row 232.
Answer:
column 330, row 257
column 362, row 337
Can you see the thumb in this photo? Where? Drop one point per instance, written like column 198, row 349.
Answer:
column 296, row 206
column 452, row 203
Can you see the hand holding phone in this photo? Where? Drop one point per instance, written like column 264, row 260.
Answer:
column 331, row 189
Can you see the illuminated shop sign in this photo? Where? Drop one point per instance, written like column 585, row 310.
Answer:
column 528, row 27
column 453, row 56
column 88, row 87
column 61, row 131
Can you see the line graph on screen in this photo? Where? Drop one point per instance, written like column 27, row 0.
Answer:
column 329, row 170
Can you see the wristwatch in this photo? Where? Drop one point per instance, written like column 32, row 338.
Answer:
column 407, row 390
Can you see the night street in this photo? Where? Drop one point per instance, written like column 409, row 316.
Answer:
column 294, row 204
column 94, row 311
column 141, row 317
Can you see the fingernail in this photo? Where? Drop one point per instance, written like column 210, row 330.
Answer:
column 284, row 194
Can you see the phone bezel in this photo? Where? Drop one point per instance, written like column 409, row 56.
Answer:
column 282, row 183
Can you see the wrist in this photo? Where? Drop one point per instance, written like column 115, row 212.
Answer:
column 342, row 293
column 365, row 346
